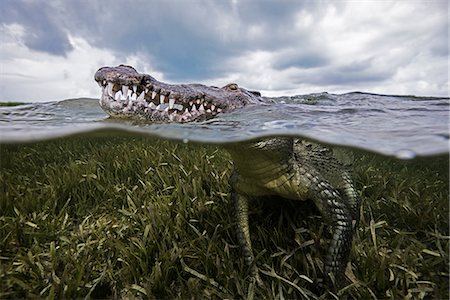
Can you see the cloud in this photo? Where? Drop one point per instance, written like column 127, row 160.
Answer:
column 183, row 39
column 349, row 47
column 281, row 47
column 30, row 75
column 41, row 30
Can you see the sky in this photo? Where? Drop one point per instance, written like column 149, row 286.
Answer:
column 50, row 50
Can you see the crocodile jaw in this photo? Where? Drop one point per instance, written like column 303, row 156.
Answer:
column 142, row 103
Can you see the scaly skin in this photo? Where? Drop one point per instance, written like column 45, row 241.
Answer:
column 298, row 170
column 290, row 168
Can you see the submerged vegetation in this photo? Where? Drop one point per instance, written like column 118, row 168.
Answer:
column 138, row 217
column 11, row 103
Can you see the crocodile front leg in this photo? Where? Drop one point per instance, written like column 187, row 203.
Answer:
column 352, row 197
column 339, row 217
column 240, row 207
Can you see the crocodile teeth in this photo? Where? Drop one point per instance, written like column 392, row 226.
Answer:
column 187, row 113
column 141, row 97
column 178, row 106
column 124, row 90
column 110, row 89
column 171, row 103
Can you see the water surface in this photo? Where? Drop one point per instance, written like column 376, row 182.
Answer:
column 402, row 126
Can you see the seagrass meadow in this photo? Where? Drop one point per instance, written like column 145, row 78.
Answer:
column 134, row 217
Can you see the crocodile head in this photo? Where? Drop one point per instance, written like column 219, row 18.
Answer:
column 129, row 94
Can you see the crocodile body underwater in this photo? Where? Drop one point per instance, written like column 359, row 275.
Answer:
column 284, row 167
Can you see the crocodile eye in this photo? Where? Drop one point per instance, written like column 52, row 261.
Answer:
column 232, row 86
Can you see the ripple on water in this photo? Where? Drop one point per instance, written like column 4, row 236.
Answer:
column 404, row 127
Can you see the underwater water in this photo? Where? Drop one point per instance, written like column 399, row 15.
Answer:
column 102, row 208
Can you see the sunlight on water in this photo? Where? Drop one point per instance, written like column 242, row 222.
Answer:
column 405, row 154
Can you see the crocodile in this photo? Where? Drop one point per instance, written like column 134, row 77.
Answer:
column 128, row 94
column 285, row 167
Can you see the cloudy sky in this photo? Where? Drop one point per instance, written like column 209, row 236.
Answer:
column 50, row 50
